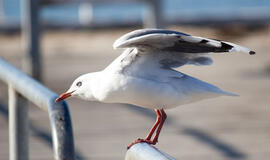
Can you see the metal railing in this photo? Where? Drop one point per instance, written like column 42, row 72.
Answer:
column 22, row 87
column 144, row 151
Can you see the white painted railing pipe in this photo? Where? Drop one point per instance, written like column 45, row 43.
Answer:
column 18, row 126
column 60, row 120
column 144, row 151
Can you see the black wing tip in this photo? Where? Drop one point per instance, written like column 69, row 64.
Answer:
column 204, row 41
column 252, row 52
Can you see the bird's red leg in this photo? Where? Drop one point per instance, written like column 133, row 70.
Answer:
column 163, row 118
column 148, row 137
column 158, row 120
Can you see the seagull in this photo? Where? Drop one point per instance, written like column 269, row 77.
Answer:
column 144, row 74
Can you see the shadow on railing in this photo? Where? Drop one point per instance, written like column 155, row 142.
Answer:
column 22, row 87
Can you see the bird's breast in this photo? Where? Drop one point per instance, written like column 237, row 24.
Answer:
column 137, row 91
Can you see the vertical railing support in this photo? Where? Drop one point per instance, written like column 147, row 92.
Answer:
column 30, row 31
column 62, row 141
column 2, row 12
column 85, row 13
column 18, row 126
column 153, row 15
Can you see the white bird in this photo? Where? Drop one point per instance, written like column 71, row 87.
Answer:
column 144, row 73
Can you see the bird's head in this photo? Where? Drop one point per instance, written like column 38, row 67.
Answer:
column 81, row 88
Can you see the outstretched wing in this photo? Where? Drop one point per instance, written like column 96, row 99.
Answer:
column 153, row 49
column 175, row 42
column 181, row 47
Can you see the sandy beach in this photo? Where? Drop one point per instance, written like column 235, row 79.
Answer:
column 224, row 128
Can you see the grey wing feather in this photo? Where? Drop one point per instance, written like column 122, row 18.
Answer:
column 175, row 49
column 174, row 59
column 147, row 37
column 175, row 42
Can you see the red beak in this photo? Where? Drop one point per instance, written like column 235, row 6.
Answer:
column 63, row 96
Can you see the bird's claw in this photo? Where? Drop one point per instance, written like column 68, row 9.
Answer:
column 139, row 140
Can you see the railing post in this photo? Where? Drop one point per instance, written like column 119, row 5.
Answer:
column 30, row 31
column 60, row 120
column 18, row 126
column 2, row 12
column 61, row 131
column 85, row 13
column 153, row 16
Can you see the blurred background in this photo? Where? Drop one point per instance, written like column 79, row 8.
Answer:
column 69, row 38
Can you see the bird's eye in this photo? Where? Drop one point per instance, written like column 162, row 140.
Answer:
column 79, row 84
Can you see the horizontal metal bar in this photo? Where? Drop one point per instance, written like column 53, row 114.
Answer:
column 144, row 151
column 48, row 2
column 44, row 98
column 27, row 86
